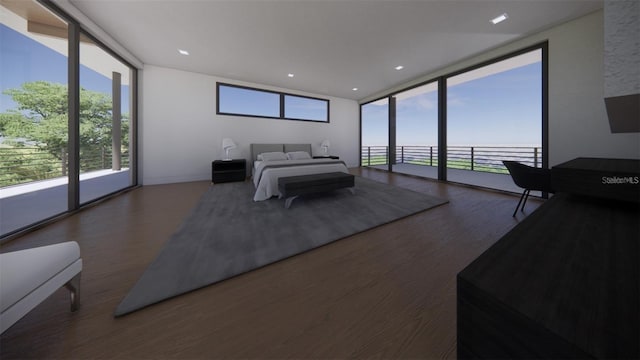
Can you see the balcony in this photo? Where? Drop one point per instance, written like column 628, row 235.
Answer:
column 25, row 204
column 474, row 165
column 24, row 201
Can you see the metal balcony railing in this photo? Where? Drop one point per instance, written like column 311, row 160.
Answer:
column 20, row 165
column 475, row 158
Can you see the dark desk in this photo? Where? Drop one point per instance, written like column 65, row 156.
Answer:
column 617, row 179
column 564, row 283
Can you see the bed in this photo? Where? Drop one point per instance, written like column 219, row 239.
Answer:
column 266, row 171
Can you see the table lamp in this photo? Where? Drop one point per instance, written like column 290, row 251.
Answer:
column 325, row 145
column 227, row 144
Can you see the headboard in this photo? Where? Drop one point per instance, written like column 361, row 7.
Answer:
column 257, row 149
column 298, row 147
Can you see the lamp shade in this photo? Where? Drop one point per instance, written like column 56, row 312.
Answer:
column 325, row 146
column 227, row 144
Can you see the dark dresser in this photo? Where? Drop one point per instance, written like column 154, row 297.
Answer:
column 564, row 283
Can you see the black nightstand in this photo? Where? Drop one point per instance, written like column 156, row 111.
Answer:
column 327, row 157
column 228, row 170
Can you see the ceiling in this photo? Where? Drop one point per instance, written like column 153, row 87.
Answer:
column 330, row 46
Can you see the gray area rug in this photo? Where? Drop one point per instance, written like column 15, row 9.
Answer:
column 227, row 233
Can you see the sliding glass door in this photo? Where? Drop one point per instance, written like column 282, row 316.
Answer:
column 57, row 151
column 460, row 127
column 416, row 125
column 104, row 123
column 375, row 134
column 494, row 113
column 34, row 130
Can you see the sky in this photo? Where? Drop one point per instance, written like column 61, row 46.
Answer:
column 236, row 100
column 500, row 109
column 24, row 60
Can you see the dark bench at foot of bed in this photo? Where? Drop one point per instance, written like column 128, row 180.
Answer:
column 293, row 186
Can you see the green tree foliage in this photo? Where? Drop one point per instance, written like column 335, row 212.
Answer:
column 12, row 124
column 41, row 118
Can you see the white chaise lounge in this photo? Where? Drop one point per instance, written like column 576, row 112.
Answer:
column 28, row 277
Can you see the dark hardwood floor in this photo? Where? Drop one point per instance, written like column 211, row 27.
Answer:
column 389, row 292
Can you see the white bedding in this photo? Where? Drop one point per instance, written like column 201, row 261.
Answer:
column 265, row 179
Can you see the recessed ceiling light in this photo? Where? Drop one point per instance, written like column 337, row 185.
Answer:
column 500, row 18
column 399, row 67
column 355, row 89
column 183, row 52
column 290, row 75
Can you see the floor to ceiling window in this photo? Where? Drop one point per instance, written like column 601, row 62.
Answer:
column 460, row 127
column 39, row 149
column 494, row 113
column 104, row 122
column 417, row 131
column 33, row 115
column 375, row 134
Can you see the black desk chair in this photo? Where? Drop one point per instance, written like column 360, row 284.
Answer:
column 529, row 178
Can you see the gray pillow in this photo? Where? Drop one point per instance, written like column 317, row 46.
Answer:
column 272, row 156
column 298, row 155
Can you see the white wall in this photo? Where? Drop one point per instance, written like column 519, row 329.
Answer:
column 180, row 133
column 578, row 124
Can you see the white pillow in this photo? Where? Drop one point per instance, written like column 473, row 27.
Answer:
column 298, row 155
column 272, row 156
